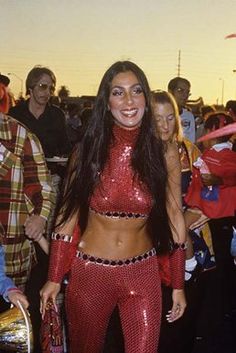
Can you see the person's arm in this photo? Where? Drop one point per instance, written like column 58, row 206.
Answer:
column 174, row 209
column 62, row 250
column 39, row 195
column 64, row 239
column 8, row 289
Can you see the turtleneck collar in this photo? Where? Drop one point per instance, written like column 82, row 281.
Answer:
column 126, row 134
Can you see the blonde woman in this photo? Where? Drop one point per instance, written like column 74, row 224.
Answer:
column 168, row 128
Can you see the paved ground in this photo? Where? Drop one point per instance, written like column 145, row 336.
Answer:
column 223, row 341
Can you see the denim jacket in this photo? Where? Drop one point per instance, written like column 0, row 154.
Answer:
column 5, row 282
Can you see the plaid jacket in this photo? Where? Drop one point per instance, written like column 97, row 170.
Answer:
column 25, row 189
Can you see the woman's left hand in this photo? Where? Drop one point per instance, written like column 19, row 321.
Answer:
column 178, row 307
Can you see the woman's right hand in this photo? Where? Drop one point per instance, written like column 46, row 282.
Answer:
column 178, row 306
column 49, row 291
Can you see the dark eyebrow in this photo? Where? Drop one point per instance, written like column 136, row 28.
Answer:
column 121, row 87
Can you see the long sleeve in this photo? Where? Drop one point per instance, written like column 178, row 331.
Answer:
column 62, row 252
column 177, row 265
column 39, row 195
column 5, row 282
column 65, row 240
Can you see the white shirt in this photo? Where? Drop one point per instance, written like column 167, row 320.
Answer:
column 188, row 124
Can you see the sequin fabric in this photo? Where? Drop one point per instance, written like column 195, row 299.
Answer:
column 118, row 190
column 177, row 264
column 62, row 253
column 92, row 294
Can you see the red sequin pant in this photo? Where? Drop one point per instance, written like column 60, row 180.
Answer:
column 93, row 292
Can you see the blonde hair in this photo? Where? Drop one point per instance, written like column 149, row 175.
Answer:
column 163, row 97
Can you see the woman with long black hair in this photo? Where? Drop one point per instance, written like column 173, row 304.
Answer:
column 127, row 209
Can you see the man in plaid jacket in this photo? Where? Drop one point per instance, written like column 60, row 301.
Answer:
column 26, row 197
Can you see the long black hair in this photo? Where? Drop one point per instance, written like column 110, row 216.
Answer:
column 90, row 155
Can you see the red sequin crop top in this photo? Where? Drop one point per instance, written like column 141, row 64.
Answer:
column 119, row 193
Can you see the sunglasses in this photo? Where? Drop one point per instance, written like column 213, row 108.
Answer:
column 183, row 90
column 45, row 86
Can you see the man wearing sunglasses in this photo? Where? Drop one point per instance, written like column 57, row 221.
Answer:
column 180, row 88
column 47, row 122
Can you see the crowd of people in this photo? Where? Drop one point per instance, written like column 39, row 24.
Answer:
column 115, row 219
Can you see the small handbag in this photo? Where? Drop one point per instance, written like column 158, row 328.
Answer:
column 51, row 330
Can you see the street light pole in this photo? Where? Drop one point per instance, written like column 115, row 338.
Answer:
column 21, row 82
column 234, row 71
column 222, row 90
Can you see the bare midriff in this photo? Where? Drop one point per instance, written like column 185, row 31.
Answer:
column 115, row 238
